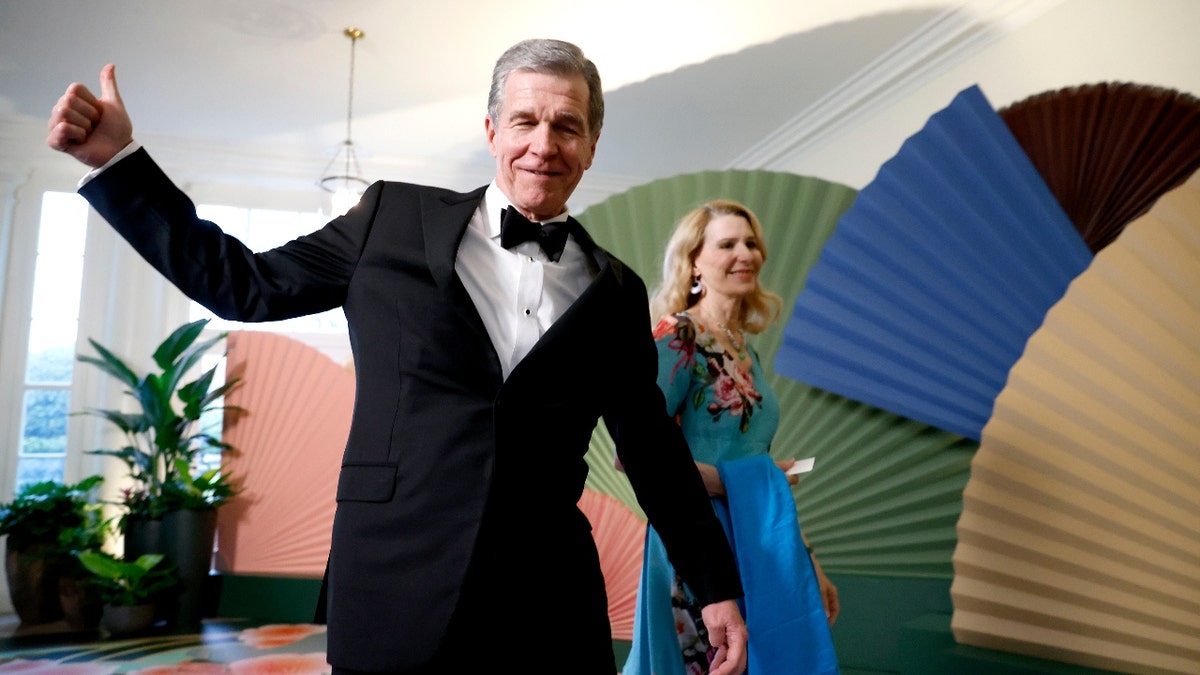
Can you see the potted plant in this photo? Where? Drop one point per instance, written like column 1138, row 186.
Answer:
column 165, row 436
column 128, row 589
column 45, row 523
column 81, row 605
column 170, row 505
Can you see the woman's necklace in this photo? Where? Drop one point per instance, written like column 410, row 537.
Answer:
column 738, row 346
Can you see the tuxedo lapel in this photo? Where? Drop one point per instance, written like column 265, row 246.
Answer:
column 444, row 220
column 603, row 263
column 583, row 306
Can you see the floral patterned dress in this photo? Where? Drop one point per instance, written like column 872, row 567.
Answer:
column 726, row 413
column 723, row 412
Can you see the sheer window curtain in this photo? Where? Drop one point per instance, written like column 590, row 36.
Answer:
column 124, row 304
column 128, row 307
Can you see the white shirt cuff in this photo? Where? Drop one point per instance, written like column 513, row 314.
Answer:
column 128, row 150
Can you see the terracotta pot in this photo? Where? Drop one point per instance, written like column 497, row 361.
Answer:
column 126, row 620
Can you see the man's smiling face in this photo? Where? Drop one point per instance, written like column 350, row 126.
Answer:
column 542, row 141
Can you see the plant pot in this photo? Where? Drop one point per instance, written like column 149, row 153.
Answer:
column 33, row 584
column 127, row 619
column 80, row 602
column 185, row 538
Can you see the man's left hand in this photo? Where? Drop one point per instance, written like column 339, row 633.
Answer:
column 727, row 633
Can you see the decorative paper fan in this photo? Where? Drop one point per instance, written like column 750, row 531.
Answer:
column 1109, row 150
column 886, row 491
column 619, row 534
column 290, row 450
column 1080, row 534
column 797, row 213
column 946, row 263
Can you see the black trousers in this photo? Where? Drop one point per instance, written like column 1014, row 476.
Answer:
column 534, row 614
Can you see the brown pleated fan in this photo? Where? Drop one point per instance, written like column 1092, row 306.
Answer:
column 1109, row 150
column 290, row 442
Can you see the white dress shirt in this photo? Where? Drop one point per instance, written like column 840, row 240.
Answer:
column 518, row 292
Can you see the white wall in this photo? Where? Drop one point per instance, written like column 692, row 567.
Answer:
column 1150, row 42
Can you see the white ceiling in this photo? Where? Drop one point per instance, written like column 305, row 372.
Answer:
column 690, row 85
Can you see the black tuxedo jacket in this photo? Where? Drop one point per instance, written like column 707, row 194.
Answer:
column 457, row 486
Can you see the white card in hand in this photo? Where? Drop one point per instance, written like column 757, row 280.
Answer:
column 801, row 466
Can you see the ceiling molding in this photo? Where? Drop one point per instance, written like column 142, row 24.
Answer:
column 938, row 46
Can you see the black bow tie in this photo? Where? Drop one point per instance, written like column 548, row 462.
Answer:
column 516, row 228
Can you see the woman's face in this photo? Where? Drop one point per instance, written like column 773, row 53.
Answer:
column 730, row 258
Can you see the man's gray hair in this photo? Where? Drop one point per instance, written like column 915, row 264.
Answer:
column 553, row 57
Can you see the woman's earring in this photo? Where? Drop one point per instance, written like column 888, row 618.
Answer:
column 697, row 286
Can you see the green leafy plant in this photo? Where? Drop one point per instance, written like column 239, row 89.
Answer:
column 207, row 489
column 63, row 517
column 166, row 435
column 125, row 583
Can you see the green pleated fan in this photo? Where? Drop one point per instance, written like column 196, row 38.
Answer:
column 886, row 491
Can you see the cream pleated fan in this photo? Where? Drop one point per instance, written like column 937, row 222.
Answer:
column 1079, row 539
column 290, row 443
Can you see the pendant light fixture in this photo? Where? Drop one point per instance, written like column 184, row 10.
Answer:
column 342, row 176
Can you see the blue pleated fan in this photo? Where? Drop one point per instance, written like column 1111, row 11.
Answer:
column 930, row 285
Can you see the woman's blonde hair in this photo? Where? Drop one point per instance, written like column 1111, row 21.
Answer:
column 759, row 309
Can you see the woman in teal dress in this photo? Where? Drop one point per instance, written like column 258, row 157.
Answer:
column 709, row 302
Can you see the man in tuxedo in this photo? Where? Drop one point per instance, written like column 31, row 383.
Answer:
column 484, row 357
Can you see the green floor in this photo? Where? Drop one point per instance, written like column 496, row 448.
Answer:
column 896, row 626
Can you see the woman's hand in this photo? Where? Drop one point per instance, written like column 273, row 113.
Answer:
column 784, row 465
column 712, row 479
column 829, row 592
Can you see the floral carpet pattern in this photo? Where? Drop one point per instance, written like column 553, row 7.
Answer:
column 275, row 649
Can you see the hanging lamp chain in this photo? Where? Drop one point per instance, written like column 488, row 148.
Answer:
column 332, row 179
column 354, row 34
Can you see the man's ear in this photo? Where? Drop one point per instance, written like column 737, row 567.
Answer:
column 592, row 152
column 490, row 130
